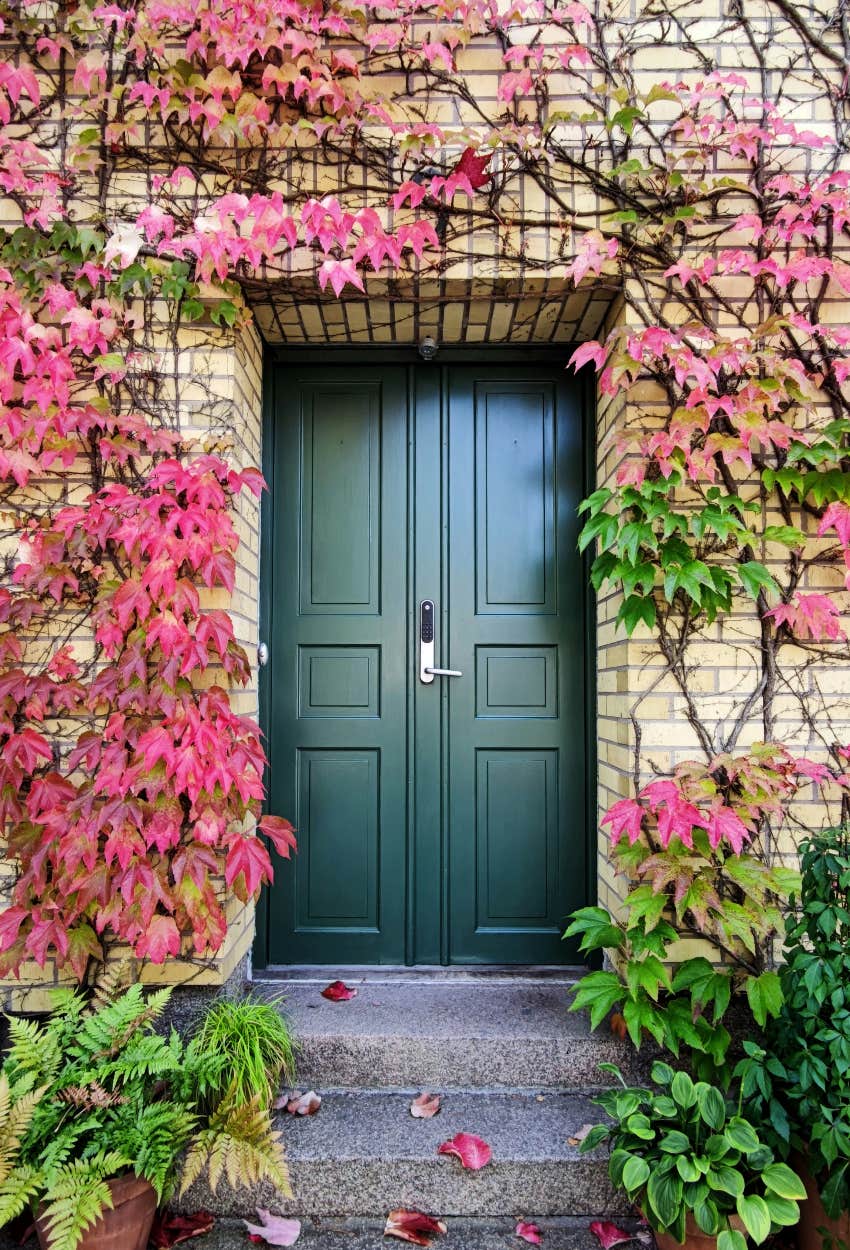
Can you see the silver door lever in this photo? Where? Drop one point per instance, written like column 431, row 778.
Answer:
column 427, row 671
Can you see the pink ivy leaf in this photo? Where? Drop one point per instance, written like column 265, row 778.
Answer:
column 609, row 1234
column 425, row 1106
column 413, row 1226
column 595, row 352
column 161, row 939
column 625, row 816
column 338, row 992
column 473, row 1152
column 274, row 1230
column 529, row 1232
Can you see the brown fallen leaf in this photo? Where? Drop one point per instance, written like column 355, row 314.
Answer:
column 413, row 1226
column 169, row 1229
column 425, row 1106
column 304, row 1104
column 618, row 1026
column 579, row 1135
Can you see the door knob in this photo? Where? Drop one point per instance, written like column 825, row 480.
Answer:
column 427, row 670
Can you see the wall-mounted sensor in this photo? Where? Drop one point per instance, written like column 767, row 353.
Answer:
column 428, row 348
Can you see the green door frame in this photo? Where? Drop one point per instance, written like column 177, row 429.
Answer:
column 519, row 354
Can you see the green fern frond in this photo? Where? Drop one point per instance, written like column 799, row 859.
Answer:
column 32, row 1050
column 240, row 1144
column 16, row 1116
column 153, row 1138
column 113, row 979
column 78, row 1196
column 17, row 1190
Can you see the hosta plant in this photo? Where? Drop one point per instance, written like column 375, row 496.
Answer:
column 95, row 1092
column 684, row 1149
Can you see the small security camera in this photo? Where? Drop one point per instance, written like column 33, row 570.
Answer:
column 428, row 348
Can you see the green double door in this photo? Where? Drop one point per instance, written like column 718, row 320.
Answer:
column 440, row 822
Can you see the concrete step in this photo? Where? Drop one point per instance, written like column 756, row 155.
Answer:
column 364, row 1154
column 460, row 1032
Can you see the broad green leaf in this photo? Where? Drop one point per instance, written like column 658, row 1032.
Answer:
column 664, row 1195
column 731, row 1239
column 783, row 1181
column 682, row 1089
column 765, row 996
column 755, row 1216
column 635, row 1175
column 741, row 1134
column 712, row 1106
column 755, row 577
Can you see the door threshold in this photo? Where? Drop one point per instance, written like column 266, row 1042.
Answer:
column 463, row 974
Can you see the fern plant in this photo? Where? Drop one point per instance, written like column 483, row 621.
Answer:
column 95, row 1091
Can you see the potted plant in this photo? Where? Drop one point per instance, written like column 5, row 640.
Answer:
column 99, row 1109
column 695, row 1167
column 799, row 1082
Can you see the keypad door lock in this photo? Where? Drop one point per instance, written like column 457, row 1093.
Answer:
column 427, row 671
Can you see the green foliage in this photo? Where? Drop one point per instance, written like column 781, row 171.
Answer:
column 255, row 1045
column 94, row 1091
column 683, row 1149
column 799, row 1083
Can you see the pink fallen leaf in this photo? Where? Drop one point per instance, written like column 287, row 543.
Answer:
column 472, row 1151
column 338, row 992
column 304, row 1104
column 609, row 1234
column 425, row 1106
column 413, row 1226
column 529, row 1232
column 274, row 1230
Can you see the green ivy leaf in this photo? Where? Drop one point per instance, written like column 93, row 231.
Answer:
column 765, row 996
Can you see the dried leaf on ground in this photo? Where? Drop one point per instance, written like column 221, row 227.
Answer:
column 425, row 1106
column 471, row 1150
column 529, row 1232
column 338, row 992
column 169, row 1230
column 618, row 1026
column 609, row 1234
column 580, row 1134
column 304, row 1104
column 273, row 1230
column 413, row 1226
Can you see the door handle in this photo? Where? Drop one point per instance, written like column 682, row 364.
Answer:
column 427, row 670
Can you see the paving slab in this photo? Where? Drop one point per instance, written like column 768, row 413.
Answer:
column 457, row 1033
column 363, row 1154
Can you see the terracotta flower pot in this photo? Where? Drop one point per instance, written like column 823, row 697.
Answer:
column 126, row 1226
column 695, row 1238
column 813, row 1216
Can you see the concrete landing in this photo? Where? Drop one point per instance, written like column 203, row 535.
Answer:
column 462, row 1032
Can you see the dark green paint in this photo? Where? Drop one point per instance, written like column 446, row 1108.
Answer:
column 442, row 823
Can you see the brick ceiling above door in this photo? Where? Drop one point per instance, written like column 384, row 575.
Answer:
column 452, row 311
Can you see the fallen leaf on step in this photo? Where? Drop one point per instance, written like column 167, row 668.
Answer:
column 608, row 1234
column 273, row 1230
column 580, row 1134
column 338, row 992
column 169, row 1230
column 472, row 1151
column 304, row 1104
column 529, row 1232
column 425, row 1106
column 283, row 1099
column 618, row 1026
column 413, row 1226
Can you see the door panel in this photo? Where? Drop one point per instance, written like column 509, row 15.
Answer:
column 339, row 671
column 516, row 832
column 440, row 822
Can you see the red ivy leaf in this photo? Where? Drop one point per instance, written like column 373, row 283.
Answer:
column 168, row 1230
column 161, row 940
column 413, row 1226
column 529, row 1232
column 473, row 167
column 338, row 992
column 472, row 1151
column 608, row 1234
